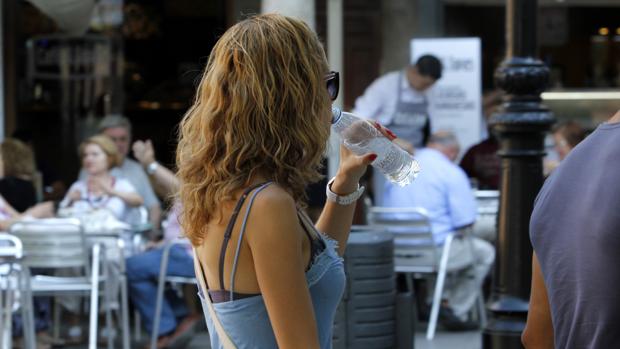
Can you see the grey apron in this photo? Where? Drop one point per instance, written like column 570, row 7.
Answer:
column 410, row 122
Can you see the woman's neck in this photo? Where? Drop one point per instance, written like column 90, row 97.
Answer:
column 257, row 179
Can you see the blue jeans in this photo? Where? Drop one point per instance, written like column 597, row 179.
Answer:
column 142, row 275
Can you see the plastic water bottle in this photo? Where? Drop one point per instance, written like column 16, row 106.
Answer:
column 361, row 137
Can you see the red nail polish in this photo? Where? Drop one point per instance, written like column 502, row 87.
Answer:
column 372, row 157
column 390, row 133
column 377, row 125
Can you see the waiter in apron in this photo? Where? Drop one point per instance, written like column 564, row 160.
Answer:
column 398, row 101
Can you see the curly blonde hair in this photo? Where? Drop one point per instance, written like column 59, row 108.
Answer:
column 18, row 158
column 108, row 147
column 261, row 108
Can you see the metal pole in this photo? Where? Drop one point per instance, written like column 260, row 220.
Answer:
column 520, row 125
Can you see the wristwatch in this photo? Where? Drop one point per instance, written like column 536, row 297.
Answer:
column 343, row 199
column 152, row 167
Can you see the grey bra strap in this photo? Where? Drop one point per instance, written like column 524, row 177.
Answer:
column 308, row 225
column 245, row 221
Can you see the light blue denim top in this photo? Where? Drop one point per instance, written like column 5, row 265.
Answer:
column 246, row 321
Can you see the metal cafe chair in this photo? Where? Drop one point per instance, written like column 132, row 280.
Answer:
column 415, row 252
column 486, row 221
column 60, row 243
column 163, row 278
column 11, row 277
column 113, row 241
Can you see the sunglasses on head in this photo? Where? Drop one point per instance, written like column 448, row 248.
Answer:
column 332, row 81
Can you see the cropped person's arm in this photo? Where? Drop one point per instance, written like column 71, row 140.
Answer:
column 371, row 103
column 130, row 198
column 538, row 333
column 275, row 240
column 165, row 182
column 124, row 191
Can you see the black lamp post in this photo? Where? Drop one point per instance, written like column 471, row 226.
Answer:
column 520, row 125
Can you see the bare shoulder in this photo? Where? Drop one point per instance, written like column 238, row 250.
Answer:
column 273, row 216
column 273, row 200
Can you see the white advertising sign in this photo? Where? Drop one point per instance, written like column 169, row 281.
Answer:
column 455, row 100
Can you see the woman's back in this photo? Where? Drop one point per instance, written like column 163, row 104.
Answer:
column 245, row 317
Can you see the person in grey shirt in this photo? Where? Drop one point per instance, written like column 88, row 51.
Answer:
column 118, row 128
column 574, row 230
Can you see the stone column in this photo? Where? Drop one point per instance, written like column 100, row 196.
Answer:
column 302, row 9
column 402, row 21
column 399, row 19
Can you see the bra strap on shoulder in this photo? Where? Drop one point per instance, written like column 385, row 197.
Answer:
column 229, row 229
column 241, row 232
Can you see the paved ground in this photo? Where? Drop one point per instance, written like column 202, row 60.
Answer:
column 443, row 340
column 449, row 340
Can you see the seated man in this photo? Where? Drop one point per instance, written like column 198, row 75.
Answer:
column 442, row 188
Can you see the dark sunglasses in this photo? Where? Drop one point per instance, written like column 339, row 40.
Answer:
column 332, row 81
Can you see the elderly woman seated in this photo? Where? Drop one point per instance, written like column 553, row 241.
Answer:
column 101, row 190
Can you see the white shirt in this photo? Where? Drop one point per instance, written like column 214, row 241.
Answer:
column 379, row 100
column 134, row 173
column 87, row 201
column 442, row 188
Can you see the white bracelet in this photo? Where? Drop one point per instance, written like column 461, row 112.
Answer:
column 152, row 167
column 343, row 199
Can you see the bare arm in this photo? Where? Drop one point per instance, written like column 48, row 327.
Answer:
column 335, row 220
column 275, row 241
column 132, row 199
column 155, row 218
column 538, row 333
column 8, row 208
column 165, row 182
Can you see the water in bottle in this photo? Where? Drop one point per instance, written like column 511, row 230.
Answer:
column 361, row 137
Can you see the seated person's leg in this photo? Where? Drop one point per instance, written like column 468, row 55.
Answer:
column 462, row 289
column 142, row 276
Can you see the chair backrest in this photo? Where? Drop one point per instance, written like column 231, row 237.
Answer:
column 488, row 201
column 488, row 208
column 10, row 246
column 413, row 236
column 52, row 243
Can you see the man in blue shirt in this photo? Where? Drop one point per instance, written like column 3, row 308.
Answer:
column 443, row 190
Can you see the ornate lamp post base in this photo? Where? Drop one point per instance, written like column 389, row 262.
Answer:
column 520, row 126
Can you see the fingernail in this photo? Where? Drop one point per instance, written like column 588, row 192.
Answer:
column 372, row 157
column 390, row 133
column 377, row 125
